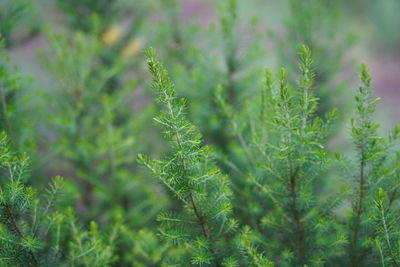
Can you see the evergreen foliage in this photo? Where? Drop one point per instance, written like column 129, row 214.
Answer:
column 257, row 182
column 317, row 24
column 205, row 224
column 292, row 158
column 376, row 167
column 97, row 137
column 235, row 65
column 387, row 238
column 27, row 220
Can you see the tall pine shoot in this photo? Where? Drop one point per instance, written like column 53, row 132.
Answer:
column 376, row 170
column 292, row 158
column 204, row 224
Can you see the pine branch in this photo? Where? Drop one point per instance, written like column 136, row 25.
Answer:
column 178, row 137
column 19, row 232
column 364, row 133
column 296, row 213
column 192, row 176
column 359, row 209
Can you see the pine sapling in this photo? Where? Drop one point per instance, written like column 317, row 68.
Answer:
column 377, row 167
column 26, row 225
column 205, row 223
column 291, row 159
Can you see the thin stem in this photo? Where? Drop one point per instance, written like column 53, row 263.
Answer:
column 200, row 218
column 196, row 210
column 296, row 213
column 202, row 222
column 20, row 233
column 381, row 254
column 359, row 209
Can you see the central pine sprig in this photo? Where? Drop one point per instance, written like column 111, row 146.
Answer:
column 192, row 177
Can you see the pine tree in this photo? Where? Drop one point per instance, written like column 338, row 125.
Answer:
column 97, row 137
column 204, row 223
column 290, row 162
column 261, row 186
column 27, row 220
column 376, row 167
column 35, row 231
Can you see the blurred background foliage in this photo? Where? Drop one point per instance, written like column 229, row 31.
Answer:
column 194, row 30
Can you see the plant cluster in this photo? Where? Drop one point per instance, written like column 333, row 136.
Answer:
column 242, row 174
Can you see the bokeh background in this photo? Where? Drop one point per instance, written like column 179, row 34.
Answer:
column 374, row 24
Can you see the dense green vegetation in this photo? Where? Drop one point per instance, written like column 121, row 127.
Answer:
column 232, row 164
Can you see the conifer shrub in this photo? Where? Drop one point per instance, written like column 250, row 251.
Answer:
column 318, row 24
column 97, row 136
column 29, row 227
column 192, row 177
column 287, row 158
column 242, row 173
